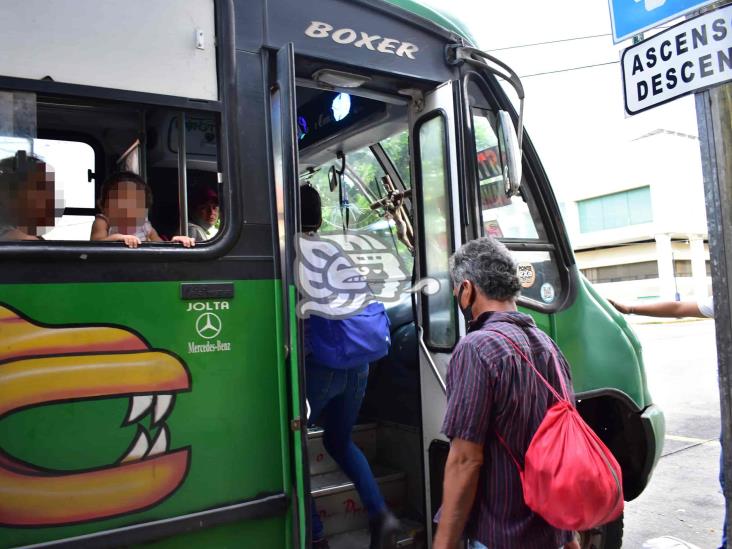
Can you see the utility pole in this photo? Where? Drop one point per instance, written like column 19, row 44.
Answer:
column 714, row 118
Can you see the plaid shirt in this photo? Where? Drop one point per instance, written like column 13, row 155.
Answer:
column 490, row 388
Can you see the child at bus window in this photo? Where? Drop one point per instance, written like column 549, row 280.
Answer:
column 27, row 197
column 203, row 213
column 125, row 201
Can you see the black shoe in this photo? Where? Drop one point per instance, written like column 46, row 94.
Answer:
column 384, row 531
column 322, row 543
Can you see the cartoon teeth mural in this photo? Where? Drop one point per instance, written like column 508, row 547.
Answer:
column 41, row 365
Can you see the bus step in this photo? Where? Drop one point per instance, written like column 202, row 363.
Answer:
column 340, row 506
column 411, row 537
column 364, row 435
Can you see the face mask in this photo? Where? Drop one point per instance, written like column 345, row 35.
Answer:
column 467, row 311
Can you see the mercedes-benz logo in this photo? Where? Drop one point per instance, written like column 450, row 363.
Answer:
column 208, row 325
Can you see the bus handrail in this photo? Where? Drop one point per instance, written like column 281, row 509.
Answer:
column 428, row 356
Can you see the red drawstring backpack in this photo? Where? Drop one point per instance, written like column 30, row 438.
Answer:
column 570, row 478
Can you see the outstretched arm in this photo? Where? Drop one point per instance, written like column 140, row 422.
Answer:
column 671, row 309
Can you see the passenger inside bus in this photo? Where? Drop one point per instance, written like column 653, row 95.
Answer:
column 86, row 142
column 203, row 212
column 335, row 396
column 125, row 201
column 27, row 197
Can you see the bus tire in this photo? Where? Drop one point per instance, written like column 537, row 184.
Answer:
column 607, row 536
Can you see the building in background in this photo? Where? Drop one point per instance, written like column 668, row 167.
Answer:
column 645, row 237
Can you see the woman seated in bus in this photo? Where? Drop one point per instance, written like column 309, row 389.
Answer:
column 27, row 197
column 125, row 201
column 203, row 213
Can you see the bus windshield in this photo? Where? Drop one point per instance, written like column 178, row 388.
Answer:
column 349, row 207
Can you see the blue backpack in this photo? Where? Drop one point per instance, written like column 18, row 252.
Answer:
column 352, row 341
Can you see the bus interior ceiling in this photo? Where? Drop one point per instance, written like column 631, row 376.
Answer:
column 389, row 427
column 378, row 110
column 373, row 122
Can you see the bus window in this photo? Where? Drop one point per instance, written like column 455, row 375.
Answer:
column 70, row 162
column 79, row 144
column 363, row 185
column 539, row 277
column 439, row 318
column 501, row 216
column 397, row 148
column 513, row 219
column 361, row 181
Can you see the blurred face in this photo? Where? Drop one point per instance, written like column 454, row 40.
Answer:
column 125, row 205
column 37, row 201
column 206, row 214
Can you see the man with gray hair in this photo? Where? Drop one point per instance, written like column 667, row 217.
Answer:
column 495, row 403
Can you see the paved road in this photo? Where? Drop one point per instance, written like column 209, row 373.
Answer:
column 683, row 498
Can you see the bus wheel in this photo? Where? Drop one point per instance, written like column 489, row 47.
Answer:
column 607, row 536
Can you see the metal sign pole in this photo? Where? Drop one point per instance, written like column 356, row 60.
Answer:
column 714, row 118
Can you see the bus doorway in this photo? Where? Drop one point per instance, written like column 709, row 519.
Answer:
column 353, row 147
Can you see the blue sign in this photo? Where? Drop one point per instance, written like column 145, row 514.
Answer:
column 631, row 17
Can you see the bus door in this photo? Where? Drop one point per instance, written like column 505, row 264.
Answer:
column 285, row 161
column 457, row 131
column 435, row 168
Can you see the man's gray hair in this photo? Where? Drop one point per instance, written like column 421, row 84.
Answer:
column 489, row 265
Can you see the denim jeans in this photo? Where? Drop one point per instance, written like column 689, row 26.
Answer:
column 721, row 482
column 335, row 398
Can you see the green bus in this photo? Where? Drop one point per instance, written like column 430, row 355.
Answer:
column 154, row 394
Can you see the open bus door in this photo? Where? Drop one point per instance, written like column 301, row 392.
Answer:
column 285, row 160
column 439, row 152
column 434, row 142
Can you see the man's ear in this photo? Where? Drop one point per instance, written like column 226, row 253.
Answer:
column 469, row 291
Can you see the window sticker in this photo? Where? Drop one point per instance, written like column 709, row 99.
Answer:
column 526, row 274
column 547, row 292
column 492, row 228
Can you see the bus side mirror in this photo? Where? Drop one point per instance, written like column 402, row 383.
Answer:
column 510, row 151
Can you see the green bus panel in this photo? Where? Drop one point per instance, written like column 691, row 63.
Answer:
column 599, row 344
column 601, row 347
column 252, row 534
column 73, row 356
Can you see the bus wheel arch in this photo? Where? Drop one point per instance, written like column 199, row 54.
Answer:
column 626, row 431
